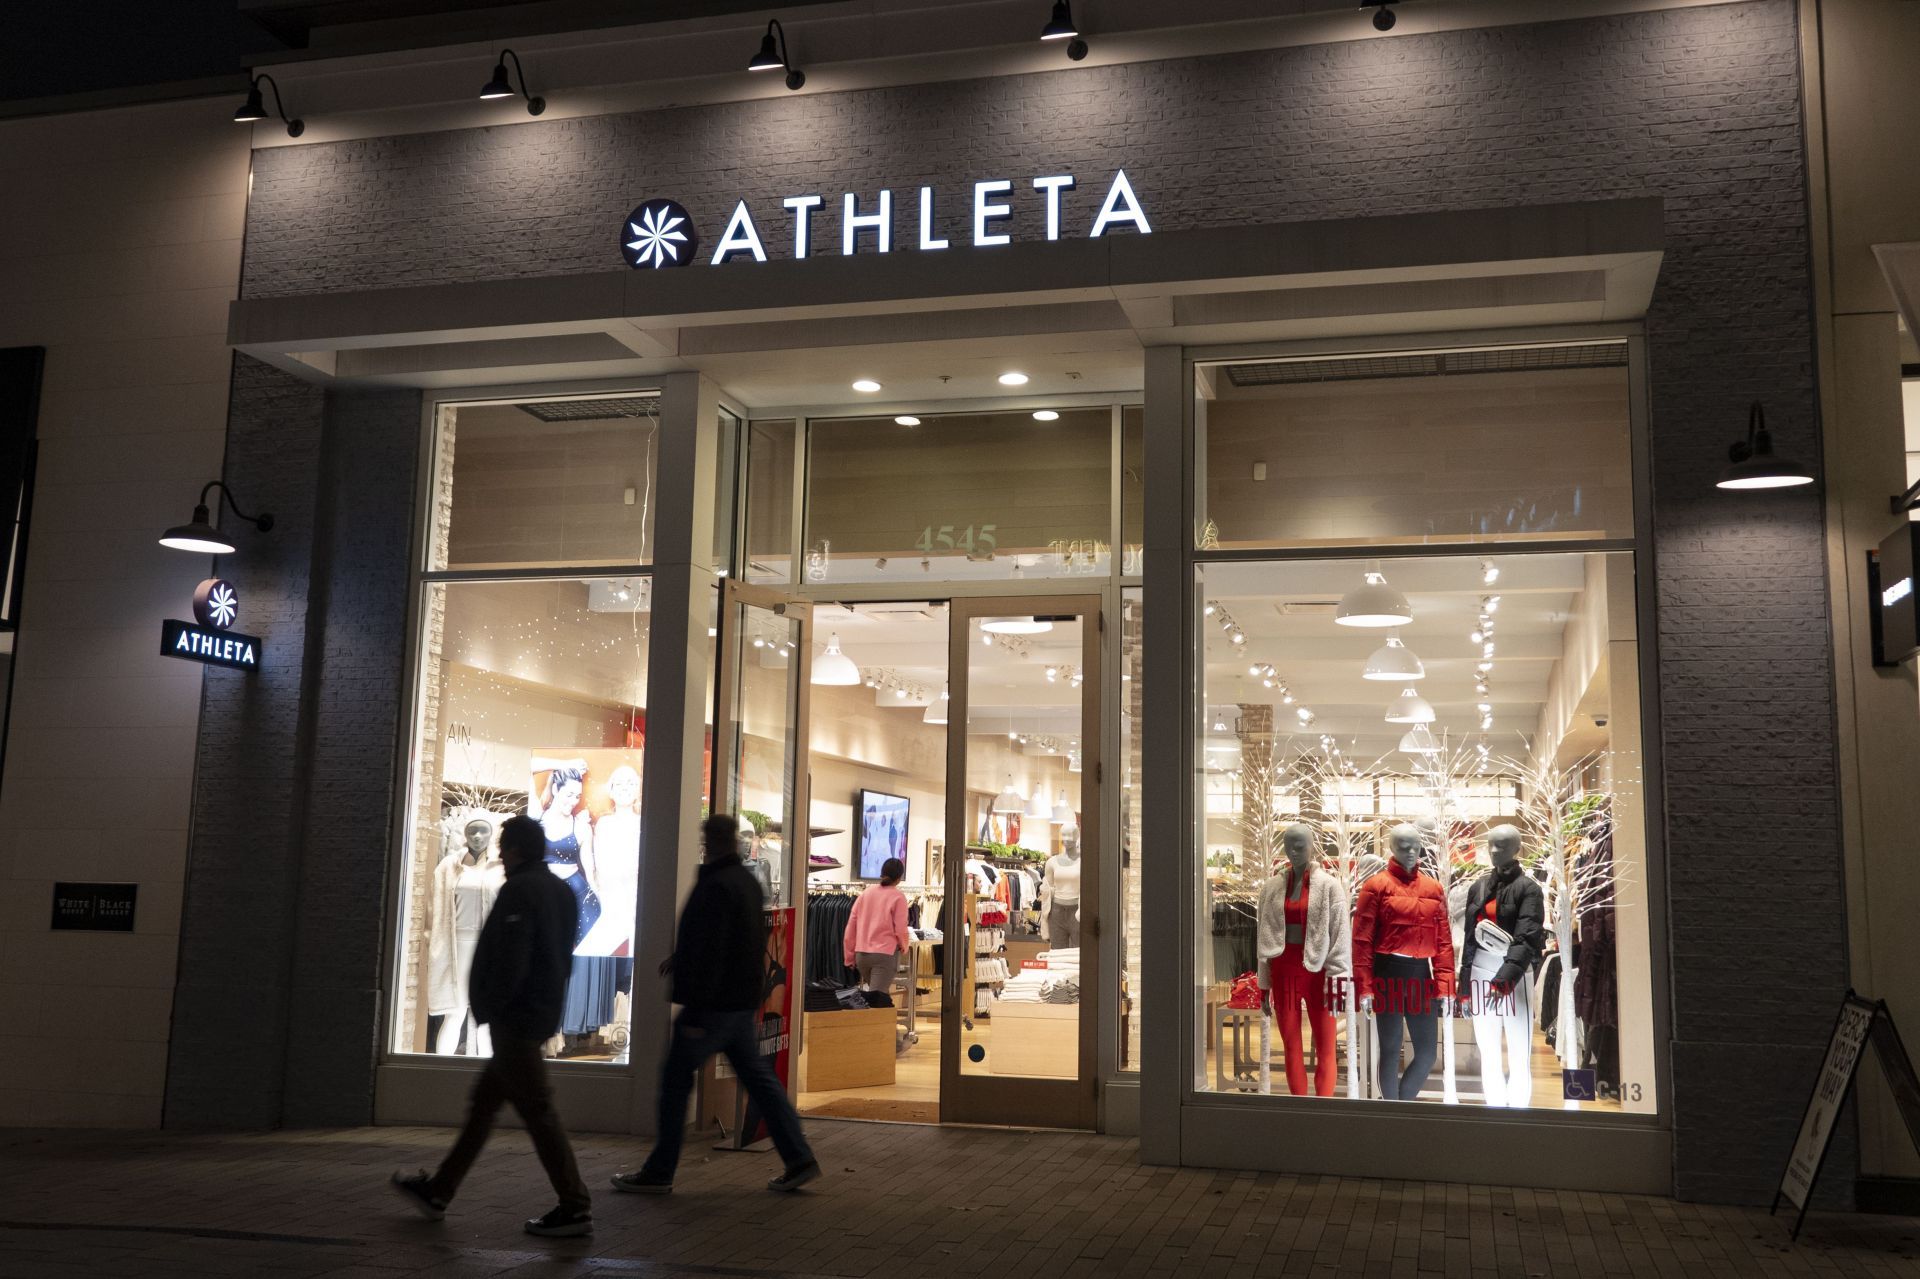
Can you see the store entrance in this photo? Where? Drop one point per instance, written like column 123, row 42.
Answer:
column 958, row 738
column 1020, row 1023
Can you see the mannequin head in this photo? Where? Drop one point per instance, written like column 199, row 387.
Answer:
column 623, row 788
column 1069, row 841
column 478, row 834
column 1503, row 846
column 1404, row 842
column 1297, row 842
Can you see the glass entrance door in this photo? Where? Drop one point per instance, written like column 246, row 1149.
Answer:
column 1019, row 1030
column 760, row 777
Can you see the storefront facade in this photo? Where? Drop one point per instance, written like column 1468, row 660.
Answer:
column 1454, row 324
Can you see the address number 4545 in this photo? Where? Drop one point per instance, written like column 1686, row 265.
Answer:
column 970, row 541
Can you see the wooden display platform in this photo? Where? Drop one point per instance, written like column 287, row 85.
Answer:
column 1035, row 1039
column 852, row 1048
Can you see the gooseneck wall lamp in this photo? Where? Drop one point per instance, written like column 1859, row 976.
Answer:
column 773, row 55
column 199, row 535
column 1753, row 465
column 1061, row 26
column 255, row 107
column 499, row 86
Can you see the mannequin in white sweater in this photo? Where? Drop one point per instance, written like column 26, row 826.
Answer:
column 1060, row 892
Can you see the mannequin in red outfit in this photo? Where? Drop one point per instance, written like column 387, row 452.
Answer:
column 1304, row 944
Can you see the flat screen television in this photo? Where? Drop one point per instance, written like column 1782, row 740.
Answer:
column 882, row 823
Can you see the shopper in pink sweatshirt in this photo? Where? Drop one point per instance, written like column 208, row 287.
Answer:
column 877, row 937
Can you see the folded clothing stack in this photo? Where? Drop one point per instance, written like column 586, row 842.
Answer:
column 1024, row 988
column 1060, row 990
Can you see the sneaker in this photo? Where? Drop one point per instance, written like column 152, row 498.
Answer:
column 796, row 1177
column 561, row 1223
column 642, row 1183
column 414, row 1190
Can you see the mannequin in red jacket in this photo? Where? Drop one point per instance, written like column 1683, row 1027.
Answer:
column 1403, row 962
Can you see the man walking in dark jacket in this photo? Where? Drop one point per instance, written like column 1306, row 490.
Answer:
column 719, row 979
column 518, row 986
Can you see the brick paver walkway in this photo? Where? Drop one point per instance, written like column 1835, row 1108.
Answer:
column 897, row 1201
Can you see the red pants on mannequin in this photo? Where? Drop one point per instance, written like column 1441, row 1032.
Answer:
column 1292, row 985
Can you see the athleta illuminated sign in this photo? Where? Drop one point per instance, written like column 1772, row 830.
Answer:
column 216, row 605
column 660, row 233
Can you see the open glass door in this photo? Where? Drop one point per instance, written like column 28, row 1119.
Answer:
column 1019, row 1032
column 760, row 777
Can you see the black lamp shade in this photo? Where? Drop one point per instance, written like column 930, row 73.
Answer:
column 197, row 535
column 252, row 109
column 498, row 86
column 1060, row 26
column 768, row 59
column 1765, row 471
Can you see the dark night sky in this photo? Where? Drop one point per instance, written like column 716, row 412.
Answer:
column 55, row 47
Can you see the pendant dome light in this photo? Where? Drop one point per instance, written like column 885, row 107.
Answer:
column 1373, row 604
column 1419, row 741
column 1752, row 464
column 1063, row 814
column 1410, row 708
column 1016, row 626
column 834, row 667
column 1008, row 800
column 1394, row 662
column 936, row 709
column 1037, row 809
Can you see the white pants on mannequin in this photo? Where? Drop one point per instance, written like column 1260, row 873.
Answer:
column 479, row 1041
column 1497, row 1020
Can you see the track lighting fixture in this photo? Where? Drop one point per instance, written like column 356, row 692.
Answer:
column 499, row 86
column 199, row 535
column 1752, row 464
column 1383, row 18
column 773, row 55
column 255, row 108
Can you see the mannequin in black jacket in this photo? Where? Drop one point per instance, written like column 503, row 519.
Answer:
column 1505, row 937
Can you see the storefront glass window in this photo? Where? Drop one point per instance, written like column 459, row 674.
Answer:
column 1515, row 444
column 959, row 496
column 545, row 483
column 769, row 498
column 1131, row 668
column 1421, row 860
column 530, row 698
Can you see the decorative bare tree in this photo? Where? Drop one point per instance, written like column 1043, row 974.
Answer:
column 1558, row 838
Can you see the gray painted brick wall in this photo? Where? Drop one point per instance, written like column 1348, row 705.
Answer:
column 281, row 939
column 1698, row 106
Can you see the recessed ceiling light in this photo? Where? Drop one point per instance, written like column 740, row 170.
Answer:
column 1013, row 379
column 907, row 419
column 866, row 385
column 1046, row 415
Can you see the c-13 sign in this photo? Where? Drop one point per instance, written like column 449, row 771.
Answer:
column 661, row 233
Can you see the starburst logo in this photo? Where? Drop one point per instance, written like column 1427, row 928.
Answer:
column 216, row 604
column 658, row 234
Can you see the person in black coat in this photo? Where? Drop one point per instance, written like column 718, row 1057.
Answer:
column 719, row 976
column 518, row 987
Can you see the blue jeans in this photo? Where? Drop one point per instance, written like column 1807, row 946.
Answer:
column 696, row 1037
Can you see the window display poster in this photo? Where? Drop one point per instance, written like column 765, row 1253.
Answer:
column 883, row 830
column 588, row 805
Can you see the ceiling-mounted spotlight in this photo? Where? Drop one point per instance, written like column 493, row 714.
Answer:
column 906, row 419
column 1489, row 572
column 254, row 108
column 1752, row 464
column 499, row 86
column 1061, row 26
column 774, row 58
column 1013, row 379
column 1373, row 604
column 1382, row 16
column 865, row 385
column 198, row 533
column 1394, row 662
column 1045, row 415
